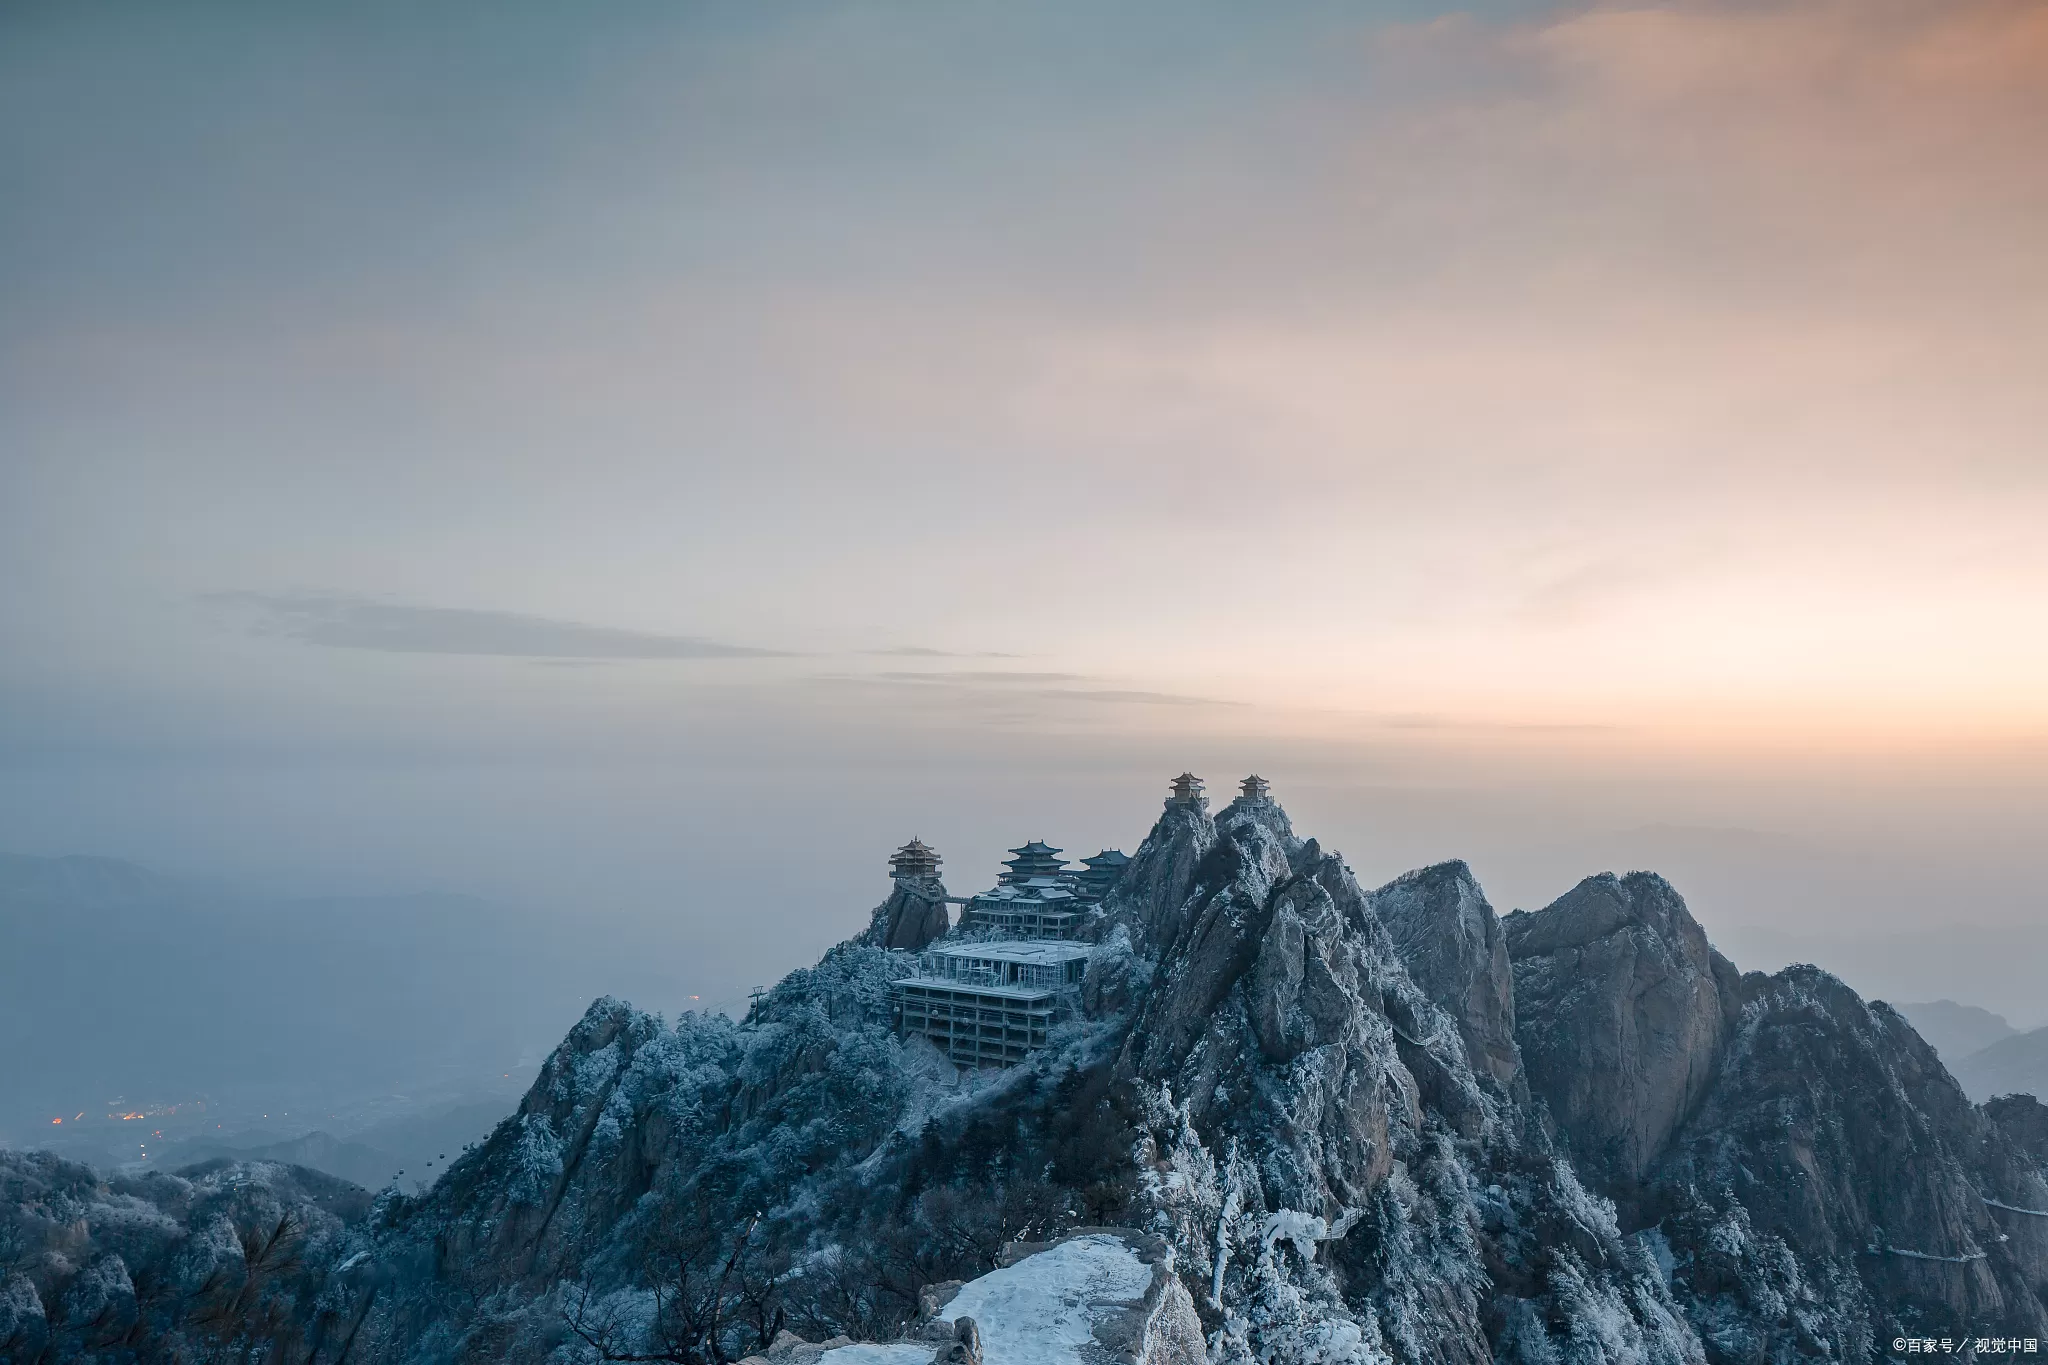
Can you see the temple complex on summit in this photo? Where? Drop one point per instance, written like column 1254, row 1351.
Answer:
column 988, row 990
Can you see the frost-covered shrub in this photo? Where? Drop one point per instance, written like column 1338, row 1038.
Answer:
column 1178, row 1183
column 536, row 1160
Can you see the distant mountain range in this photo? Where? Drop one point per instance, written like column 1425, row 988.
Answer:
column 410, row 1150
column 1985, row 1054
column 357, row 1162
column 1955, row 1031
column 2012, row 1066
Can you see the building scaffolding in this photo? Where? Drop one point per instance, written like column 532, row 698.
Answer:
column 989, row 1004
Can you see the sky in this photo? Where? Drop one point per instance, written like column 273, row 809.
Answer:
column 656, row 458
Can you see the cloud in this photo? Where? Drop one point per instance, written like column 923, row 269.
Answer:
column 1136, row 697
column 339, row 622
column 995, row 677
column 1422, row 720
column 983, row 688
column 921, row 652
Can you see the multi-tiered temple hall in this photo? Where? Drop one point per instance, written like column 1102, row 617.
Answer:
column 1036, row 897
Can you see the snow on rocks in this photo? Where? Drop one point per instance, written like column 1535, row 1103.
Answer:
column 1096, row 1295
column 879, row 1353
column 1045, row 1308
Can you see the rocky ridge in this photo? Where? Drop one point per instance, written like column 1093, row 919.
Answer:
column 1363, row 1126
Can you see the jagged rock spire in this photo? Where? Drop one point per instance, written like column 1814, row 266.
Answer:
column 1276, row 990
column 1454, row 948
column 1153, row 886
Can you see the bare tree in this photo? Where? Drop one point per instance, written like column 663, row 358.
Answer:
column 715, row 1294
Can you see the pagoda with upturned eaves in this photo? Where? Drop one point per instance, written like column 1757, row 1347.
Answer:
column 1035, row 859
column 915, row 861
column 1101, row 873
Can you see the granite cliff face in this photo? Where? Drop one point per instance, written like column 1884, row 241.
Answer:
column 1359, row 1175
column 1874, row 1198
column 1358, row 1126
column 1274, row 999
column 1819, row 1184
column 1622, row 1012
column 912, row 916
column 1152, row 894
column 1456, row 952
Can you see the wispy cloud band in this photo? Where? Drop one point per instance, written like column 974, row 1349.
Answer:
column 341, row 622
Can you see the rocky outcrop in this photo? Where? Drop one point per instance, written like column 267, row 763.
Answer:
column 1815, row 1181
column 1169, row 1330
column 2024, row 1121
column 1622, row 1011
column 1348, row 1140
column 1152, row 895
column 1837, row 1188
column 912, row 916
column 1214, row 934
column 1454, row 949
column 1273, row 1004
column 966, row 1348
